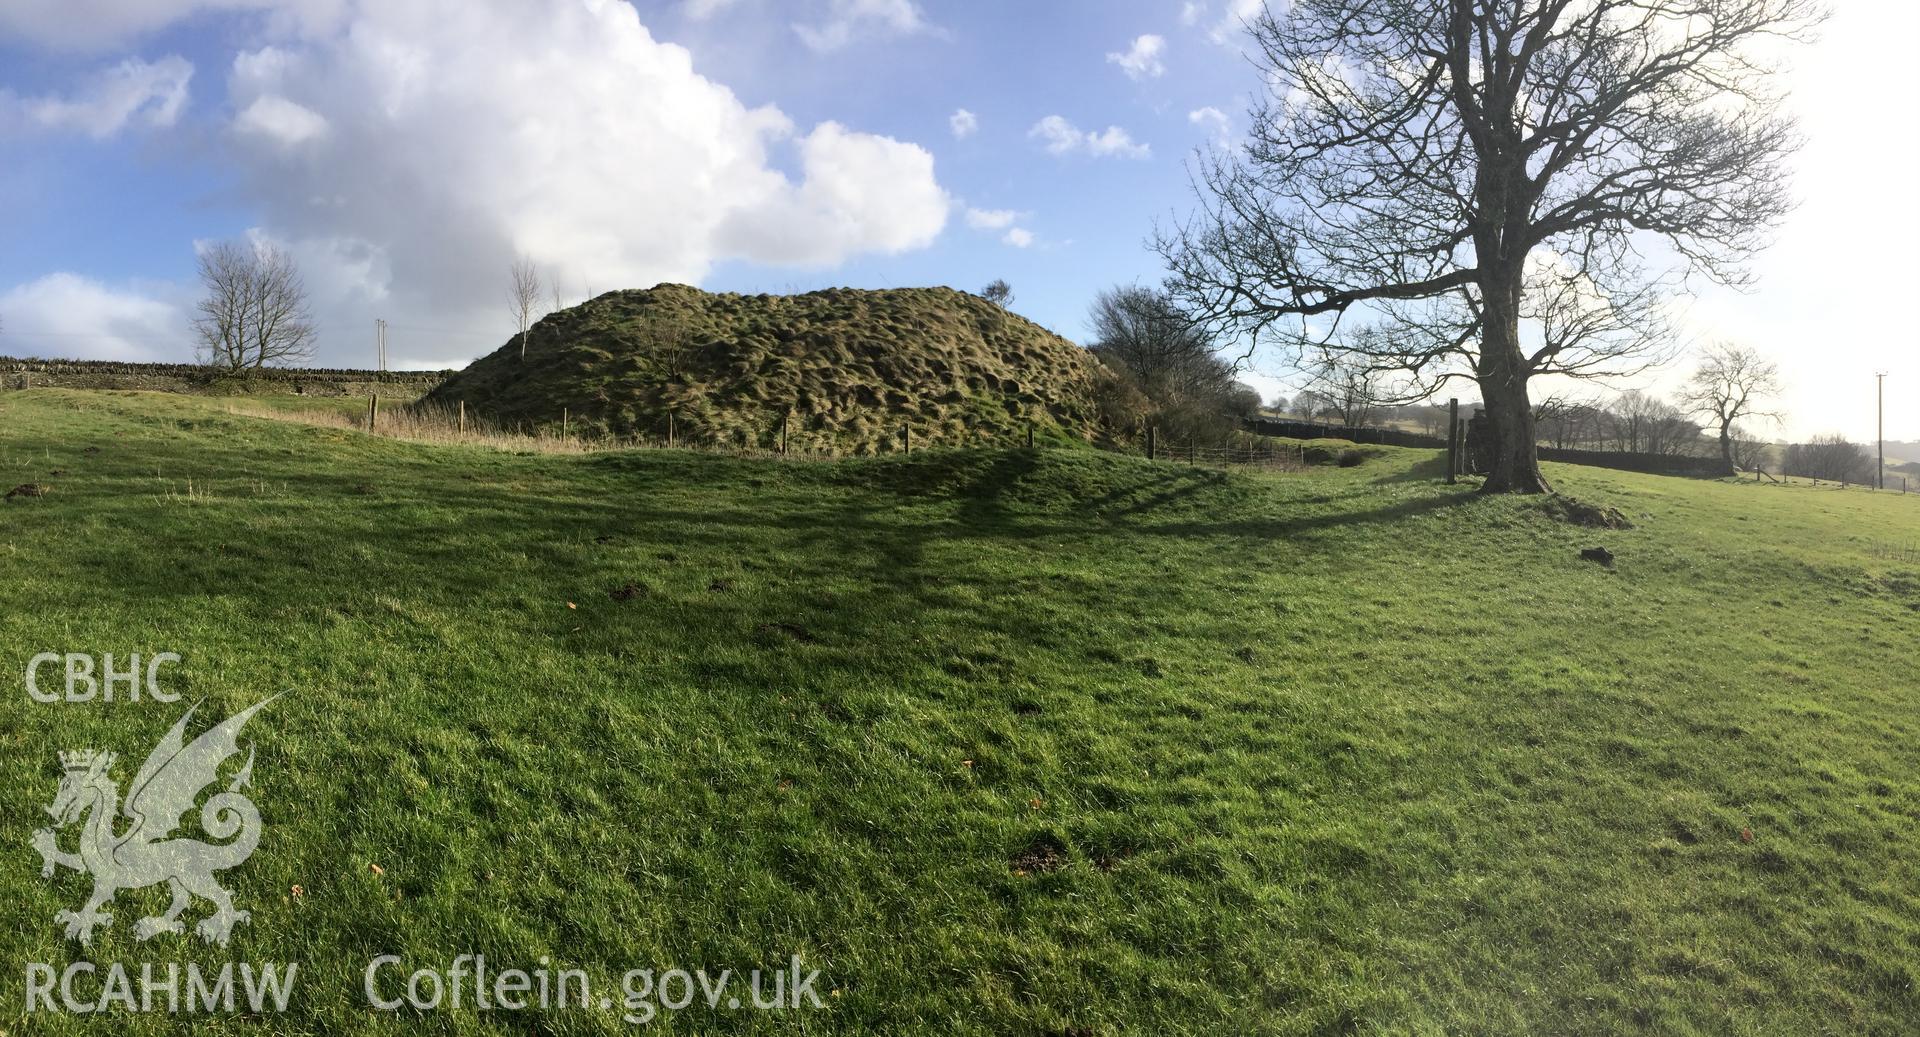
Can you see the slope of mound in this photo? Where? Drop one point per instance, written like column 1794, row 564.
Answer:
column 853, row 367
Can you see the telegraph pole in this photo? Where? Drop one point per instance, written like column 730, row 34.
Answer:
column 380, row 341
column 1880, row 428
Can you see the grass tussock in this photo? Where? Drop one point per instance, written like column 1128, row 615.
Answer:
column 843, row 372
column 425, row 422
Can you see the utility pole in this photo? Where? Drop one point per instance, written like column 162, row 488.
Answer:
column 1880, row 426
column 380, row 341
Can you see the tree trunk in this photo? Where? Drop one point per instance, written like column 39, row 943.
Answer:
column 1515, row 464
column 1726, row 449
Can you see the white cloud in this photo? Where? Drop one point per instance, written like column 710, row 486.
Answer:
column 95, row 25
column 439, row 139
column 991, row 219
column 1064, row 138
column 848, row 20
column 1142, row 59
column 134, row 91
column 1191, row 13
column 279, row 119
column 1214, row 121
column 67, row 315
column 1114, row 141
column 859, row 193
column 1235, row 19
column 963, row 123
column 1001, row 220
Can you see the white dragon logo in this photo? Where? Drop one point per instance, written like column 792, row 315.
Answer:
column 163, row 792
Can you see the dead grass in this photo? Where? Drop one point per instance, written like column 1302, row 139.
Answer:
column 426, row 422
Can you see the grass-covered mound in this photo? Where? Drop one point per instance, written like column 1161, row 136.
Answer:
column 854, row 367
column 1002, row 742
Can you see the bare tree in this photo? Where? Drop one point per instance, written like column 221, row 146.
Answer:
column 1352, row 391
column 1410, row 159
column 1172, row 360
column 1832, row 457
column 1635, row 420
column 666, row 339
column 524, row 296
column 255, row 313
column 1750, row 453
column 1563, row 421
column 999, row 293
column 1730, row 384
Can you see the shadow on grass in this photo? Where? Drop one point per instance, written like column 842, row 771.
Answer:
column 1431, row 470
column 457, row 530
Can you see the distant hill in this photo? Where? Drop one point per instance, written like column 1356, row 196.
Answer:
column 854, row 367
column 1901, row 452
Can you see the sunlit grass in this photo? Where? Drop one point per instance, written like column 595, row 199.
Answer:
column 1001, row 741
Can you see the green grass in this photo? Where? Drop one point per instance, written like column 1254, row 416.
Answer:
column 1341, row 751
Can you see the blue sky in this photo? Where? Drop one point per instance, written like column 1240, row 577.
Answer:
column 407, row 150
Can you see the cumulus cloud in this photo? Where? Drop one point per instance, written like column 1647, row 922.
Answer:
column 1141, row 60
column 1018, row 237
column 859, row 193
column 1191, row 13
column 1214, row 121
column 408, row 158
column 132, row 92
column 68, row 315
column 848, row 20
column 963, row 123
column 1064, row 138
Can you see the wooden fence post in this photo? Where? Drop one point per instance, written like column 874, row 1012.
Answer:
column 906, row 438
column 1453, row 433
column 1030, row 440
column 669, row 430
column 563, row 424
column 373, row 410
column 1150, row 443
column 463, row 417
column 784, row 416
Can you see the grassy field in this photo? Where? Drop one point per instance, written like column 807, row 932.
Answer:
column 1001, row 742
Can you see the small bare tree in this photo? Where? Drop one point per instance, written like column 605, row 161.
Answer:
column 524, row 297
column 666, row 339
column 255, row 313
column 1729, row 385
column 1750, row 452
column 999, row 293
column 1352, row 391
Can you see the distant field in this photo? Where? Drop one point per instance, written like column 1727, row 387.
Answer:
column 1000, row 741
